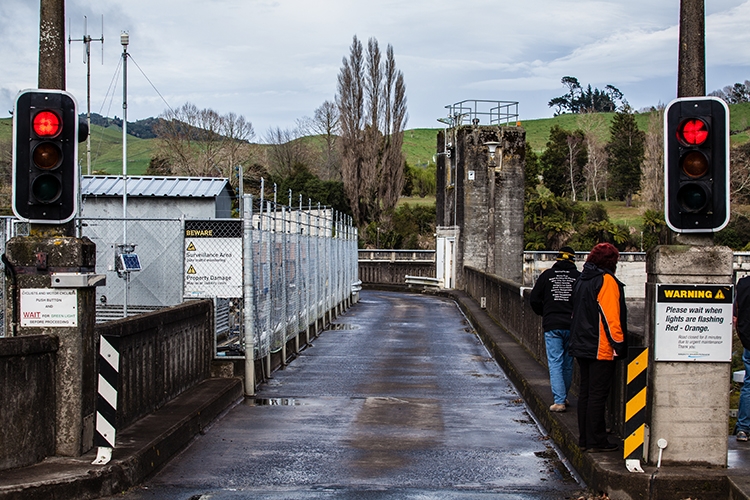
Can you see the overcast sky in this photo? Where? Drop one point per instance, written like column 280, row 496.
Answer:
column 275, row 61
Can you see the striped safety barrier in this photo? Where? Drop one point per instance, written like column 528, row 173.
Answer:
column 106, row 403
column 635, row 407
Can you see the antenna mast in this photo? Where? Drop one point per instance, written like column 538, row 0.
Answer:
column 87, row 59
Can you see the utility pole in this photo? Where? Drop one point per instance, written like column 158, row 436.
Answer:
column 691, row 74
column 87, row 42
column 691, row 78
column 52, row 44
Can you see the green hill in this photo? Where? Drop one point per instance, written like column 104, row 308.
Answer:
column 419, row 144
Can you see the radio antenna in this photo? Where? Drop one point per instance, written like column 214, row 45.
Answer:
column 87, row 59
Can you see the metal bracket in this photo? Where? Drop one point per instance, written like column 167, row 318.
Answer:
column 103, row 456
column 633, row 465
column 77, row 280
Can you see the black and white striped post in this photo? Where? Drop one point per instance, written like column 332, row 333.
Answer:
column 106, row 402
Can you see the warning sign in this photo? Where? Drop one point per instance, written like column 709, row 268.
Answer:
column 213, row 258
column 693, row 323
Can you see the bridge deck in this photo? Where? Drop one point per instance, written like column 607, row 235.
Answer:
column 399, row 399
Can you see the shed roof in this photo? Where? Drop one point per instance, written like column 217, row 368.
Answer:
column 111, row 185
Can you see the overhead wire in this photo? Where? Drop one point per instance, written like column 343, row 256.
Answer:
column 151, row 83
column 109, row 108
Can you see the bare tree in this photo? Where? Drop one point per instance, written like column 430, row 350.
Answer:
column 372, row 114
column 652, row 178
column 238, row 152
column 201, row 142
column 594, row 127
column 6, row 172
column 740, row 173
column 576, row 146
column 324, row 127
column 287, row 149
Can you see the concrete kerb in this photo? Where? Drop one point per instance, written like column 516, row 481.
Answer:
column 602, row 472
column 142, row 449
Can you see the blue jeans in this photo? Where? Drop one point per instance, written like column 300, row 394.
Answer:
column 560, row 363
column 743, row 414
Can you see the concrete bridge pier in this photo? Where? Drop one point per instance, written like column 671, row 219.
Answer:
column 689, row 399
column 37, row 308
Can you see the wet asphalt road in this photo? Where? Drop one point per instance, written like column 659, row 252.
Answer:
column 399, row 400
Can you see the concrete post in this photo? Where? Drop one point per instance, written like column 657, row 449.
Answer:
column 689, row 401
column 36, row 307
column 509, row 197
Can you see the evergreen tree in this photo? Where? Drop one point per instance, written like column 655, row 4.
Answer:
column 625, row 152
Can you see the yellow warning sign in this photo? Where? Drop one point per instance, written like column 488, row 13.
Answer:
column 695, row 294
column 191, row 247
column 191, row 270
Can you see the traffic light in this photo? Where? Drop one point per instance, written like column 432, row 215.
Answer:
column 696, row 165
column 45, row 156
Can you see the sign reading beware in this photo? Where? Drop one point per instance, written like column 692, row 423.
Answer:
column 213, row 258
column 693, row 323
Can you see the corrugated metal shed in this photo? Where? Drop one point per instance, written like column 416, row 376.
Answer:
column 111, row 185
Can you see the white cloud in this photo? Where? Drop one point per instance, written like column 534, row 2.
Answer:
column 276, row 61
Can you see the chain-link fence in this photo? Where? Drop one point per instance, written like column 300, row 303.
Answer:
column 303, row 262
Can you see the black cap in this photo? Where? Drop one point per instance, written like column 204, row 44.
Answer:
column 566, row 253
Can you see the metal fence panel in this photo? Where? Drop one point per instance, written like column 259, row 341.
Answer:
column 303, row 266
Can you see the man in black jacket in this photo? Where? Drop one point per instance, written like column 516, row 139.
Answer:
column 551, row 299
column 742, row 324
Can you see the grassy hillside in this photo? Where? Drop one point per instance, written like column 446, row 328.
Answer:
column 419, row 144
column 106, row 149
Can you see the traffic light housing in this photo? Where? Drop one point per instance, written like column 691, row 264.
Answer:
column 45, row 156
column 696, row 165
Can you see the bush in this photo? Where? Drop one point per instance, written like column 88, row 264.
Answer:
column 736, row 235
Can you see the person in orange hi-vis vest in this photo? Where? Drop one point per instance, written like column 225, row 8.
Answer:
column 597, row 340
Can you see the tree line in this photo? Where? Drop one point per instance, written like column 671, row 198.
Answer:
column 578, row 165
column 347, row 156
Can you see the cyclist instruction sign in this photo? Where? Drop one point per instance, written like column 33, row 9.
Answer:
column 693, row 323
column 213, row 258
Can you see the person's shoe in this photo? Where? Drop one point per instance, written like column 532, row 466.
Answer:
column 603, row 449
column 558, row 408
column 567, row 403
column 742, row 436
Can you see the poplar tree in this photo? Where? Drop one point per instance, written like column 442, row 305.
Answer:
column 371, row 99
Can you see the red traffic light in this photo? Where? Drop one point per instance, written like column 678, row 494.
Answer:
column 47, row 124
column 692, row 132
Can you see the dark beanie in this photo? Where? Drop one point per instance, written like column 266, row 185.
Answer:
column 566, row 253
column 604, row 255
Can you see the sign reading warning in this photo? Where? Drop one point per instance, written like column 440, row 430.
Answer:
column 693, row 323
column 213, row 258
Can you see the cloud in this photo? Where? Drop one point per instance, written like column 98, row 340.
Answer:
column 274, row 61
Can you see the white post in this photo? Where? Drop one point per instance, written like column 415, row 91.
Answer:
column 125, row 40
column 249, row 296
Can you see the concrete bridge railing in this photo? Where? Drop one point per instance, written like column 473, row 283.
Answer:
column 390, row 267
column 508, row 304
column 162, row 354
column 27, row 399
